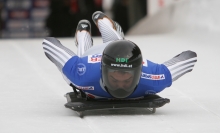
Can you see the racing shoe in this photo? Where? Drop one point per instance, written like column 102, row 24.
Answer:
column 98, row 15
column 83, row 25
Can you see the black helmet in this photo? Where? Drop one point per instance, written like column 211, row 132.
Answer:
column 121, row 68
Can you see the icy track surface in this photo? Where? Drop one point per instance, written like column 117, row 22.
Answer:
column 32, row 89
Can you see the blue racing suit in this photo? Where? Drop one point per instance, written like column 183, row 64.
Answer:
column 85, row 74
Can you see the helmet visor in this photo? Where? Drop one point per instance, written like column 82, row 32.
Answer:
column 119, row 82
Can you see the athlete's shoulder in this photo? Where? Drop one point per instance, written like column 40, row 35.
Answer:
column 83, row 69
column 149, row 66
column 148, row 63
column 153, row 68
column 87, row 60
column 155, row 76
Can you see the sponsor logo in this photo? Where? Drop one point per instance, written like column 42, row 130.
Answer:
column 153, row 77
column 91, row 96
column 84, row 25
column 121, row 65
column 81, row 68
column 150, row 92
column 122, row 60
column 84, row 87
column 94, row 96
column 94, row 58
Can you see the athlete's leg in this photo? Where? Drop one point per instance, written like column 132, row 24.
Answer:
column 83, row 37
column 181, row 64
column 110, row 30
column 57, row 53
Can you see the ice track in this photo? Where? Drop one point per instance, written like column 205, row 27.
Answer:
column 32, row 89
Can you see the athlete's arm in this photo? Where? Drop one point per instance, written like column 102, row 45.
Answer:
column 57, row 53
column 181, row 64
column 155, row 77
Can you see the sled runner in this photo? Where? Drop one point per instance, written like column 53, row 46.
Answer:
column 80, row 104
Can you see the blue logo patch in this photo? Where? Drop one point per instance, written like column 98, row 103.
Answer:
column 81, row 68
